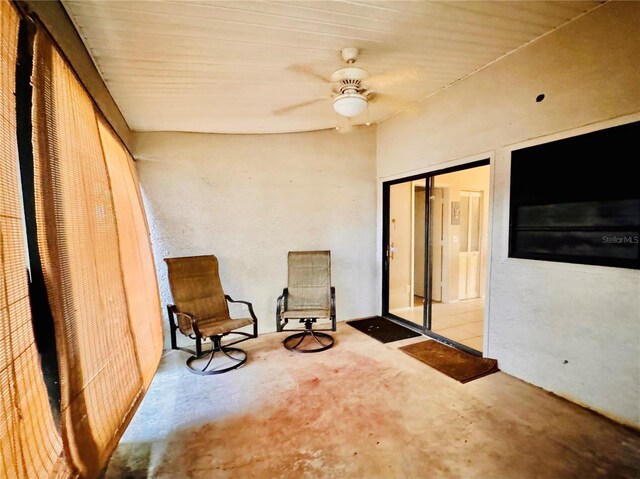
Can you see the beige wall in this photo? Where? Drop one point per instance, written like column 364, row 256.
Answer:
column 572, row 329
column 249, row 199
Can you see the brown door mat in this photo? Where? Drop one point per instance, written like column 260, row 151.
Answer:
column 382, row 329
column 456, row 364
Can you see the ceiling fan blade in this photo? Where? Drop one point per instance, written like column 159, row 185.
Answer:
column 385, row 80
column 371, row 95
column 307, row 70
column 377, row 97
column 287, row 109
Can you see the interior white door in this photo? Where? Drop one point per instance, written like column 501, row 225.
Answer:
column 437, row 242
column 470, row 235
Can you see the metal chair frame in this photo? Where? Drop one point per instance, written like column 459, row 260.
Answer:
column 308, row 323
column 216, row 340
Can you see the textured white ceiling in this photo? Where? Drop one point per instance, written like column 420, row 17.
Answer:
column 239, row 66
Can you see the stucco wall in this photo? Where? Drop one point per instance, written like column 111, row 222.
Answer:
column 542, row 314
column 249, row 199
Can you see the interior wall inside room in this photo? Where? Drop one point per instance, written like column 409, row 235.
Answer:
column 249, row 199
column 473, row 179
column 571, row 329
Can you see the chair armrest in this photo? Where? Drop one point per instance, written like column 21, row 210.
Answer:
column 281, row 308
column 247, row 303
column 282, row 300
column 190, row 317
column 333, row 301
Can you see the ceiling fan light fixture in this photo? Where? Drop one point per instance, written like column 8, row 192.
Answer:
column 350, row 104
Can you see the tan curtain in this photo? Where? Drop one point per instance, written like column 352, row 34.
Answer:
column 102, row 373
column 135, row 252
column 30, row 446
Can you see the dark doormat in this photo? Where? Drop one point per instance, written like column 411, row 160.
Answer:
column 456, row 364
column 382, row 329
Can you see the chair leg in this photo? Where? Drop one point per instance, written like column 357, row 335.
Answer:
column 172, row 328
column 316, row 338
column 300, row 337
column 216, row 346
column 295, row 346
column 278, row 324
column 198, row 346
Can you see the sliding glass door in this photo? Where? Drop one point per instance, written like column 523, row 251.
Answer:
column 406, row 250
column 435, row 247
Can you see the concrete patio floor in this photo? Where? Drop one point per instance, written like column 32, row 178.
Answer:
column 361, row 410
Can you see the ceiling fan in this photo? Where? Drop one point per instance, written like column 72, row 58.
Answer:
column 350, row 86
column 352, row 92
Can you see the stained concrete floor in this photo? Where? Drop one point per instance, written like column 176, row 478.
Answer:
column 361, row 410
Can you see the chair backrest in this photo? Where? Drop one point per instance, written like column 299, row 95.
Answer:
column 309, row 280
column 196, row 288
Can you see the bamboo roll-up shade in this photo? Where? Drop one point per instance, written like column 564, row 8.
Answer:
column 100, row 376
column 30, row 446
column 135, row 253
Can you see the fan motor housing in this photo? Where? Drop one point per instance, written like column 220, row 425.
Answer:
column 350, row 80
column 349, row 73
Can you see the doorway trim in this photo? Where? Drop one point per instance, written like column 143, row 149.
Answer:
column 386, row 190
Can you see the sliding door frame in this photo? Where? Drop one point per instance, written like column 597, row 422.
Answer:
column 386, row 203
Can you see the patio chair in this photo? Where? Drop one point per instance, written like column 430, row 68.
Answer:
column 201, row 309
column 308, row 297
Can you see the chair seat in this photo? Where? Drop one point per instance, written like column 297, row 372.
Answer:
column 214, row 326
column 306, row 313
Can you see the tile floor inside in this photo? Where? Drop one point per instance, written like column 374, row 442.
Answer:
column 461, row 321
column 361, row 410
